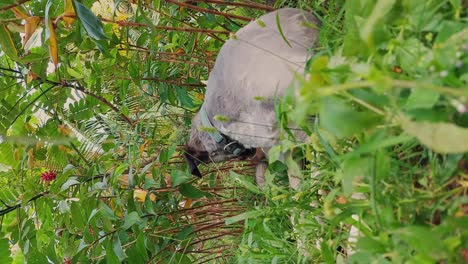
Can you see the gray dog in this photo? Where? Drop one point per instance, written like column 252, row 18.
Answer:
column 252, row 70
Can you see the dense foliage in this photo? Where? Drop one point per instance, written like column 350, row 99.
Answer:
column 96, row 99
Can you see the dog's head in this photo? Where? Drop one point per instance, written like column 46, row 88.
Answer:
column 201, row 148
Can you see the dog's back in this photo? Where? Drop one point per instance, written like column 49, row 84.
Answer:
column 254, row 68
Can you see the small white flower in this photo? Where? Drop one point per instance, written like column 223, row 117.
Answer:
column 459, row 64
column 443, row 74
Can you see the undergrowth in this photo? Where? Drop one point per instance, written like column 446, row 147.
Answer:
column 387, row 152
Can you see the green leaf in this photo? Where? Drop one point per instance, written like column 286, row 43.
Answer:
column 246, row 182
column 441, row 137
column 274, row 154
column 178, row 177
column 352, row 168
column 6, row 43
column 130, row 220
column 111, row 257
column 342, row 120
column 4, row 250
column 118, row 250
column 35, row 257
column 91, row 23
column 278, row 23
column 70, row 182
column 244, row 216
column 381, row 8
column 184, row 98
column 184, row 233
column 422, row 98
column 189, row 191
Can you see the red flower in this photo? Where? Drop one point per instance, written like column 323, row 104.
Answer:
column 48, row 176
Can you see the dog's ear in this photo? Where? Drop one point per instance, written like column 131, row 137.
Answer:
column 192, row 163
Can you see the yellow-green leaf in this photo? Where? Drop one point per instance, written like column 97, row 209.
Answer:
column 53, row 46
column 441, row 137
column 69, row 13
column 6, row 43
column 19, row 13
column 29, row 28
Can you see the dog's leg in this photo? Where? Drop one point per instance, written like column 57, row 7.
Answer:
column 260, row 168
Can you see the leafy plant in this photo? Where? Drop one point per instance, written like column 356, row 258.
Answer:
column 96, row 98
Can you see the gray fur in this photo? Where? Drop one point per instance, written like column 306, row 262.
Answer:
column 251, row 71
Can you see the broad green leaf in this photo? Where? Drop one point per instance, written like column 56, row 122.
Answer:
column 422, row 98
column 118, row 250
column 355, row 167
column 130, row 220
column 184, row 98
column 36, row 257
column 4, row 250
column 6, row 43
column 274, row 154
column 91, row 23
column 111, row 257
column 178, row 177
column 441, row 137
column 381, row 8
column 184, row 233
column 189, row 191
column 70, row 182
column 342, row 120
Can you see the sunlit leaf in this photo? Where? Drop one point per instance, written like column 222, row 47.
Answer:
column 53, row 45
column 30, row 27
column 19, row 13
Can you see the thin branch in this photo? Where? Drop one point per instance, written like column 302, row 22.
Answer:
column 166, row 28
column 181, row 61
column 30, row 103
column 206, row 10
column 104, row 101
column 18, row 205
column 175, row 82
column 240, row 4
column 83, row 90
column 20, row 2
column 211, row 259
column 179, row 20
